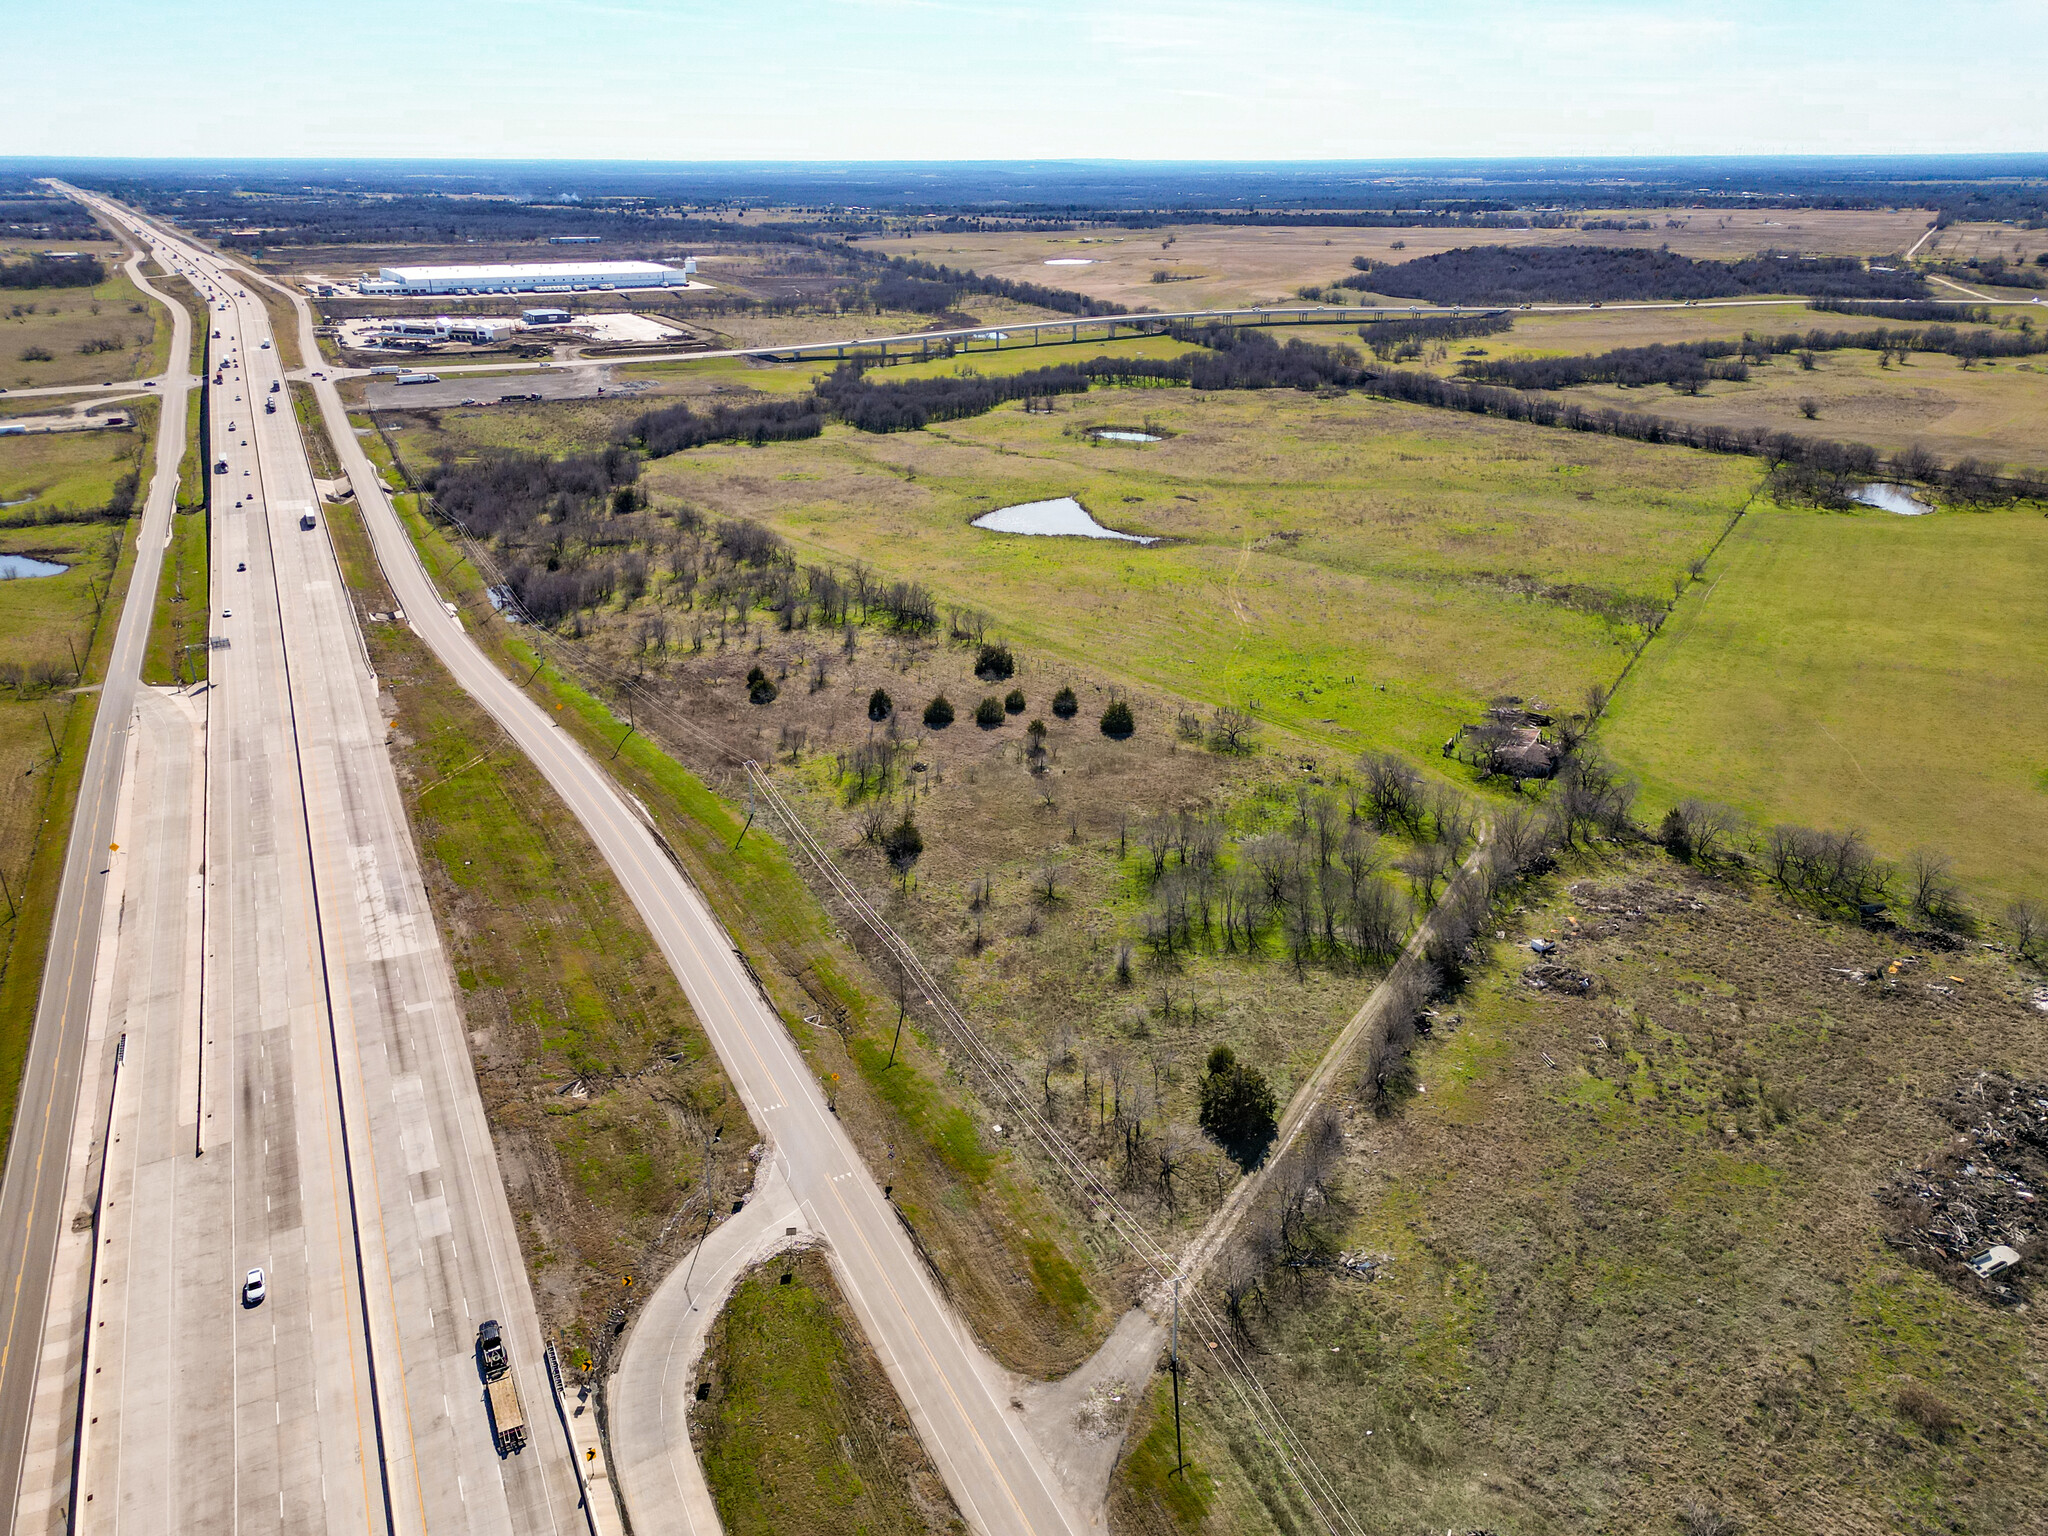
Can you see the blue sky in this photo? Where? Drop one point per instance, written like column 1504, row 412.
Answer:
column 963, row 79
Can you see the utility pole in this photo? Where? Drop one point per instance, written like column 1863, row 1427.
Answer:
column 902, row 1006
column 750, row 822
column 1173, row 1364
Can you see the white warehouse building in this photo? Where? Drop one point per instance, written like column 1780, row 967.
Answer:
column 530, row 277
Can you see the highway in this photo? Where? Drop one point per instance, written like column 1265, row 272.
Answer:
column 295, row 1090
column 36, row 1195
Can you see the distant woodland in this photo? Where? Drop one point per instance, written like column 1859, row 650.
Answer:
column 1499, row 274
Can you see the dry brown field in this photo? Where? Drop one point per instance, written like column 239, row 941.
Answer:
column 1981, row 242
column 1223, row 266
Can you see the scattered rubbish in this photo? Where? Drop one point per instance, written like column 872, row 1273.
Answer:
column 1978, row 1196
column 1359, row 1264
column 1543, row 946
column 1559, row 978
column 1993, row 1260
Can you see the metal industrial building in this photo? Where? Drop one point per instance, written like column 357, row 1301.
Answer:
column 530, row 277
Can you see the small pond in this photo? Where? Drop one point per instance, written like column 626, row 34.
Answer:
column 1062, row 517
column 1111, row 435
column 1891, row 498
column 13, row 567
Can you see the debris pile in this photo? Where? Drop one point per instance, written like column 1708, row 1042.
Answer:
column 1361, row 1265
column 1984, row 1189
column 1547, row 976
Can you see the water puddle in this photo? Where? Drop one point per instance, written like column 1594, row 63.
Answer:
column 22, row 567
column 1062, row 517
column 1891, row 498
column 19, row 501
column 1071, row 261
column 1112, row 435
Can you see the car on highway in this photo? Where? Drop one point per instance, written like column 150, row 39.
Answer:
column 241, row 565
column 253, row 1289
column 227, row 613
column 490, row 1350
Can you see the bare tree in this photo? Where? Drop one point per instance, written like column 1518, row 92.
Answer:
column 1931, row 889
column 1232, row 729
column 2028, row 923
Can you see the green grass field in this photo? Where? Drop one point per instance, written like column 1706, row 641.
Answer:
column 176, row 653
column 45, row 729
column 61, row 321
column 68, row 469
column 1862, row 670
column 801, row 1434
column 1368, row 573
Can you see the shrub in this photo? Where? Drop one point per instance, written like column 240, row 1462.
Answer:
column 1013, row 701
column 939, row 713
column 1238, row 1107
column 36, row 354
column 1935, row 1416
column 993, row 663
column 988, row 713
column 903, row 842
column 761, row 687
column 1065, row 705
column 1117, row 721
column 880, row 705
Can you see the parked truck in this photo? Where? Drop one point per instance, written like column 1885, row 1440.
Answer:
column 507, row 1422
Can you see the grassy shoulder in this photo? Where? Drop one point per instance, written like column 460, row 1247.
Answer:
column 1020, row 1271
column 45, row 729
column 313, row 431
column 176, row 653
column 600, row 1086
column 74, row 470
column 1861, row 670
column 1630, row 1261
column 799, row 1430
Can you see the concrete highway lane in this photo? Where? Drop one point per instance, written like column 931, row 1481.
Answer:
column 37, row 1195
column 295, row 1091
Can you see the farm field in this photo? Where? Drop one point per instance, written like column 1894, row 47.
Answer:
column 1217, row 267
column 1861, row 670
column 1631, row 1265
column 1357, row 568
column 61, row 321
column 1994, row 410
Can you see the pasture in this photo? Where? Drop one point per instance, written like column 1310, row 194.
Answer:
column 128, row 334
column 1861, row 670
column 1212, row 266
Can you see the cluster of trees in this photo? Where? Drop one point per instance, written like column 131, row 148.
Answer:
column 675, row 428
column 41, row 271
column 960, row 280
column 1502, row 274
column 1966, row 479
column 1400, row 341
column 1906, row 309
column 510, row 493
column 907, row 406
column 1684, row 365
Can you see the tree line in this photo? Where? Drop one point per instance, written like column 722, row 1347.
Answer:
column 1502, row 274
column 1400, row 341
column 41, row 271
